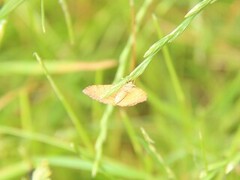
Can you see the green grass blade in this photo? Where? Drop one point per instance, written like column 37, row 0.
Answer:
column 203, row 150
column 26, row 118
column 131, row 133
column 77, row 123
column 14, row 171
column 9, row 6
column 125, row 53
column 157, row 156
column 3, row 23
column 110, row 167
column 179, row 29
column 32, row 68
column 168, row 60
column 227, row 95
column 35, row 137
column 120, row 71
column 101, row 138
column 156, row 47
column 43, row 16
column 132, row 76
column 68, row 20
column 167, row 109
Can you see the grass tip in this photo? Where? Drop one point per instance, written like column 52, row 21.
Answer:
column 35, row 54
column 146, row 136
column 229, row 168
column 146, row 54
column 94, row 172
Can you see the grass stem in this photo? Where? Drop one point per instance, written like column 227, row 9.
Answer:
column 168, row 60
column 81, row 131
column 119, row 74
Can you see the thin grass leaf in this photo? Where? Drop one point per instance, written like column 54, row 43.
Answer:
column 3, row 23
column 68, row 20
column 197, row 8
column 227, row 95
column 32, row 68
column 221, row 168
column 13, row 171
column 158, row 157
column 234, row 148
column 8, row 7
column 124, row 55
column 203, row 150
column 120, row 71
column 167, row 109
column 110, row 167
column 154, row 49
column 77, row 123
column 96, row 107
column 179, row 29
column 131, row 133
column 36, row 137
column 133, row 34
column 232, row 164
column 115, row 169
column 168, row 60
column 101, row 138
column 43, row 16
column 69, row 162
column 132, row 76
column 26, row 119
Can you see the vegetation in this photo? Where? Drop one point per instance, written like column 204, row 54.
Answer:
column 183, row 54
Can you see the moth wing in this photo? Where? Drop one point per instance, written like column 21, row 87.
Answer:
column 133, row 97
column 97, row 91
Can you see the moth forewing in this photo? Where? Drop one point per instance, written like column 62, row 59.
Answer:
column 120, row 96
column 123, row 92
column 128, row 95
column 135, row 96
column 96, row 91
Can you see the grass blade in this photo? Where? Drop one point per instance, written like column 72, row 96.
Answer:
column 43, row 16
column 101, row 138
column 120, row 71
column 158, row 157
column 156, row 47
column 110, row 167
column 35, row 137
column 81, row 131
column 25, row 68
column 9, row 6
column 68, row 20
column 14, row 170
column 168, row 60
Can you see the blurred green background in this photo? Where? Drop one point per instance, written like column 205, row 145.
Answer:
column 195, row 138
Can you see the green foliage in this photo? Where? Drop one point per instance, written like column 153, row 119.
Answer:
column 187, row 129
column 9, row 6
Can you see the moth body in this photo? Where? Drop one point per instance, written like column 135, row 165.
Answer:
column 128, row 95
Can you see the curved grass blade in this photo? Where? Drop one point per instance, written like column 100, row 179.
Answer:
column 156, row 47
column 120, row 71
column 68, row 20
column 79, row 127
column 9, row 6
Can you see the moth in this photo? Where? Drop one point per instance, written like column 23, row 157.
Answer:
column 127, row 95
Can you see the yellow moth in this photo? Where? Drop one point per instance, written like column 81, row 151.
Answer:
column 127, row 95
